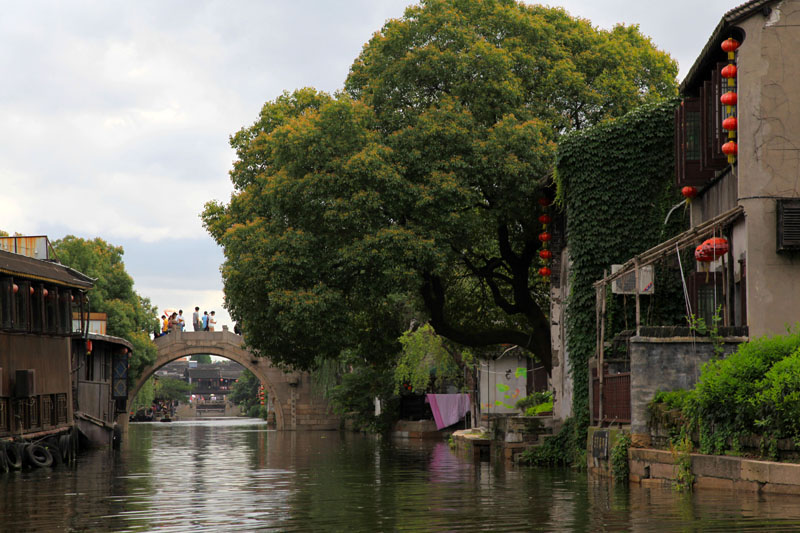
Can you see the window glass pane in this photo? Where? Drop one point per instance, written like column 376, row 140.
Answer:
column 692, row 135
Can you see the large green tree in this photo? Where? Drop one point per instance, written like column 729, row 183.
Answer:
column 416, row 188
column 130, row 316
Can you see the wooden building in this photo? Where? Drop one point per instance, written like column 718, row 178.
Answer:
column 37, row 299
column 99, row 384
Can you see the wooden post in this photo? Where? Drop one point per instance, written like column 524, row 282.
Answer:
column 601, row 294
column 636, row 289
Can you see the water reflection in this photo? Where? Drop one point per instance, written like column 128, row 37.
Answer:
column 229, row 475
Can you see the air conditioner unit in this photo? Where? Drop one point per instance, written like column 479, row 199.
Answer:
column 626, row 284
column 25, row 383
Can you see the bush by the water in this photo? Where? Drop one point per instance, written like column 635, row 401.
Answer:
column 536, row 403
column 754, row 391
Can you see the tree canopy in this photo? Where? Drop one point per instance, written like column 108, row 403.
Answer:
column 130, row 316
column 415, row 190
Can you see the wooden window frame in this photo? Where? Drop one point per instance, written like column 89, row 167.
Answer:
column 689, row 171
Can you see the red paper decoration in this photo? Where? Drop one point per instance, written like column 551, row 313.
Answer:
column 729, row 98
column 545, row 237
column 545, row 219
column 544, row 201
column 730, row 123
column 545, row 272
column 545, row 254
column 730, row 148
column 689, row 192
column 730, row 44
column 729, row 71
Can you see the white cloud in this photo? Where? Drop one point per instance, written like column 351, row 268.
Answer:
column 116, row 115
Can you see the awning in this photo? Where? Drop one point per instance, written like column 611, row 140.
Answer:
column 683, row 240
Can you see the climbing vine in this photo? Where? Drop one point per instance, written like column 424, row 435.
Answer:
column 616, row 183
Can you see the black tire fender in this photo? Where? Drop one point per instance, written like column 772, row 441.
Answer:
column 3, row 459
column 13, row 456
column 38, row 456
column 63, row 446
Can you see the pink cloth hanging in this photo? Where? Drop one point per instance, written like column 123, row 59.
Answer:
column 448, row 408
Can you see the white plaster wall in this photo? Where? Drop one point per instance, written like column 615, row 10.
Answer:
column 503, row 383
column 769, row 161
column 560, row 378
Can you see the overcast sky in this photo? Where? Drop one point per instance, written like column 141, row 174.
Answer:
column 115, row 116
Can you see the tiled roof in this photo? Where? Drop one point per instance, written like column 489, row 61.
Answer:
column 731, row 18
column 48, row 271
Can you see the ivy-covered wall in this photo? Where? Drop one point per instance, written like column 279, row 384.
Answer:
column 616, row 183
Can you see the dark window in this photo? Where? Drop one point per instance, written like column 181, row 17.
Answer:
column 64, row 311
column 51, row 310
column 37, row 308
column 714, row 136
column 6, row 303
column 688, row 144
column 693, row 135
column 707, row 296
column 22, row 306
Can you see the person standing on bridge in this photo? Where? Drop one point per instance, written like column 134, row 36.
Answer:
column 181, row 321
column 205, row 320
column 211, row 322
column 198, row 326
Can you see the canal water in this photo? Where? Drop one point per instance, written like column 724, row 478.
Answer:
column 235, row 475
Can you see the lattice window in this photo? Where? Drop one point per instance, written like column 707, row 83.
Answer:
column 33, row 412
column 61, row 408
column 47, row 410
column 4, row 428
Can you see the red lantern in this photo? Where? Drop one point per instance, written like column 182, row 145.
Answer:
column 88, row 346
column 689, row 191
column 44, row 292
column 730, row 44
column 729, row 71
column 544, row 201
column 545, row 272
column 544, row 236
column 545, row 219
column 730, row 123
column 718, row 246
column 545, row 254
column 703, row 254
column 730, row 148
column 16, row 288
column 729, row 98
column 31, row 291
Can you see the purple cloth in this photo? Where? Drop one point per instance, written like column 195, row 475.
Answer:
column 448, row 408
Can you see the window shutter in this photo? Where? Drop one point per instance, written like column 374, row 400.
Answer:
column 788, row 225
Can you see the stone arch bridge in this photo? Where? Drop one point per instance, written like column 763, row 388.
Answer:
column 297, row 406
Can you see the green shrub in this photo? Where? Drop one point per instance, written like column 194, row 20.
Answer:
column 538, row 409
column 778, row 402
column 620, row 467
column 535, row 399
column 723, row 405
column 674, row 399
column 567, row 448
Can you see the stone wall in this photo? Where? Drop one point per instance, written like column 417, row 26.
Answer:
column 665, row 364
column 657, row 467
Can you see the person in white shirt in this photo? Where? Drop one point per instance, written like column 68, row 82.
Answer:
column 198, row 326
column 211, row 321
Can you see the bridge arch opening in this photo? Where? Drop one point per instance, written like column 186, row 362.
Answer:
column 295, row 403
